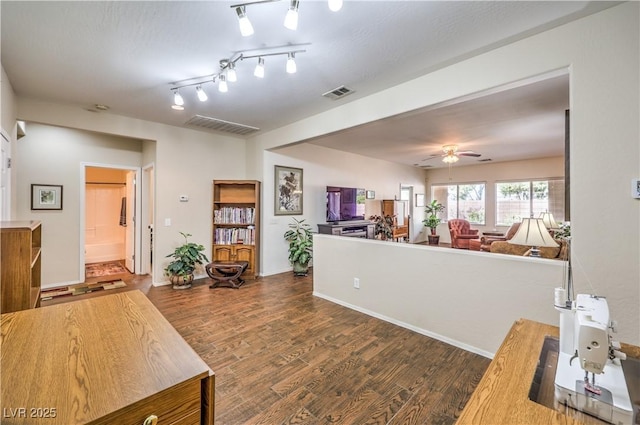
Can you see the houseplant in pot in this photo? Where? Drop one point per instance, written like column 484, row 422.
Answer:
column 433, row 220
column 384, row 226
column 185, row 258
column 300, row 240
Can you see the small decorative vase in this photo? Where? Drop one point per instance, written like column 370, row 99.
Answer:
column 181, row 282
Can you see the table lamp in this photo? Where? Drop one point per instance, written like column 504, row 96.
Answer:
column 534, row 233
column 549, row 221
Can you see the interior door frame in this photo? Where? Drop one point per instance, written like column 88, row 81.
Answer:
column 82, row 196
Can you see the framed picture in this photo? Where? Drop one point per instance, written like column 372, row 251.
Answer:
column 288, row 190
column 419, row 199
column 46, row 197
column 371, row 194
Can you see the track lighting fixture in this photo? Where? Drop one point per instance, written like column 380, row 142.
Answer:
column 291, row 18
column 201, row 94
column 291, row 63
column 335, row 5
column 227, row 73
column 259, row 71
column 246, row 29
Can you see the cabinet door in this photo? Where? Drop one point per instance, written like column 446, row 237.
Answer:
column 245, row 253
column 223, row 253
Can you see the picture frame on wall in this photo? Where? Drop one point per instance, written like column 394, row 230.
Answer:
column 288, row 190
column 419, row 199
column 370, row 194
column 46, row 197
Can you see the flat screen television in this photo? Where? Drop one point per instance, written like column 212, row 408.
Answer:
column 345, row 204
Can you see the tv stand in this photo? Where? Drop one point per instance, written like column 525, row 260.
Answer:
column 354, row 229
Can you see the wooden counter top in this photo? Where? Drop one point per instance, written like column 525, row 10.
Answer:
column 111, row 359
column 502, row 396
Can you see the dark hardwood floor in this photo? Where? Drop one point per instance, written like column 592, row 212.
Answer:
column 283, row 356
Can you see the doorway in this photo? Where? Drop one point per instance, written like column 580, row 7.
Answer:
column 406, row 194
column 110, row 200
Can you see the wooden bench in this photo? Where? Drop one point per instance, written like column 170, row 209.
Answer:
column 226, row 273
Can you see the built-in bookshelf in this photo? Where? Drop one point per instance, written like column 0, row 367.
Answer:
column 236, row 222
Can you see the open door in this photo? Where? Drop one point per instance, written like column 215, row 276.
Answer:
column 130, row 233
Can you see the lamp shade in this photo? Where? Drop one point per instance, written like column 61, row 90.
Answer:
column 548, row 220
column 532, row 232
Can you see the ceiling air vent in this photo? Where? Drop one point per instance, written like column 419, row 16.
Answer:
column 338, row 93
column 484, row 160
column 220, row 125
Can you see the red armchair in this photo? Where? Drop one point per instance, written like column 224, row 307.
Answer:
column 461, row 232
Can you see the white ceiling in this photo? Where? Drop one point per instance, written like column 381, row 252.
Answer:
column 129, row 54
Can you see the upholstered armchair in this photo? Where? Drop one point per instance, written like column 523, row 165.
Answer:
column 461, row 232
column 486, row 241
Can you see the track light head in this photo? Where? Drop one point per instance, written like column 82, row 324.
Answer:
column 246, row 29
column 335, row 5
column 177, row 99
column 259, row 71
column 201, row 94
column 222, row 85
column 291, row 63
column 291, row 18
column 231, row 73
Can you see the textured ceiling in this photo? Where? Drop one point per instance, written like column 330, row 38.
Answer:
column 128, row 55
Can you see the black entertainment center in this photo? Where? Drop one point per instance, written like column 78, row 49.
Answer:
column 354, row 229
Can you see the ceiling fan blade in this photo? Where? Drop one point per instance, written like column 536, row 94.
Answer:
column 431, row 157
column 468, row 153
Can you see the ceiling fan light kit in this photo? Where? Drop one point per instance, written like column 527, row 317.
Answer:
column 452, row 154
column 227, row 71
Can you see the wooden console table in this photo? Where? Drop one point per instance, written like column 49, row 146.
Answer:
column 502, row 396
column 107, row 360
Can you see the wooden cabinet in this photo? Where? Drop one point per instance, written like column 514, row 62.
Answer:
column 20, row 258
column 107, row 360
column 398, row 210
column 236, row 223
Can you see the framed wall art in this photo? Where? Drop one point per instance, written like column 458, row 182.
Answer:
column 419, row 199
column 288, row 190
column 46, row 197
column 371, row 194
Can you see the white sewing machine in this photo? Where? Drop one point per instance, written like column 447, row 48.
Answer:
column 586, row 349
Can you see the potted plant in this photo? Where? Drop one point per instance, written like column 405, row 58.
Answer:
column 433, row 220
column 300, row 240
column 384, row 226
column 185, row 259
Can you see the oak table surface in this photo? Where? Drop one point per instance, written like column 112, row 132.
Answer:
column 88, row 359
column 502, row 396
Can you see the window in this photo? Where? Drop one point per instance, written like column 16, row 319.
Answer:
column 516, row 200
column 466, row 201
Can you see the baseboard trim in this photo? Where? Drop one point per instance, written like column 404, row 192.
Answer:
column 413, row 328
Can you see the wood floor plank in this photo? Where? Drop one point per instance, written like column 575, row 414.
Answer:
column 283, row 356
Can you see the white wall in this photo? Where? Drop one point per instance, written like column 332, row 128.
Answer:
column 602, row 53
column 324, row 167
column 186, row 162
column 490, row 174
column 466, row 298
column 8, row 123
column 52, row 155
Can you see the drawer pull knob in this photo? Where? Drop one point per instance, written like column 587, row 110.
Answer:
column 151, row 420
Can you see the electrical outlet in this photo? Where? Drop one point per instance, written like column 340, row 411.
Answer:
column 356, row 283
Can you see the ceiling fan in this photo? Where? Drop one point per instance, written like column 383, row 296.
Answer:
column 451, row 154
